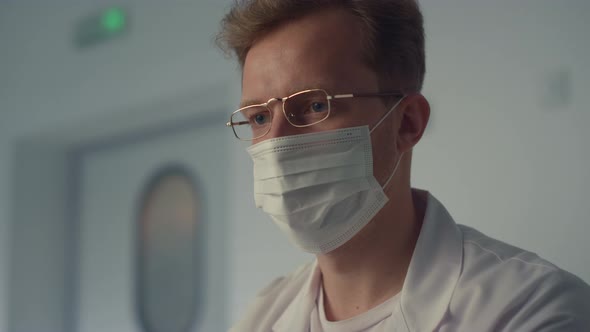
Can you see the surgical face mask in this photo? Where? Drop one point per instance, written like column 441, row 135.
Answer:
column 319, row 188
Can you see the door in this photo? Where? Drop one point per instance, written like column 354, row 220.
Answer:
column 151, row 232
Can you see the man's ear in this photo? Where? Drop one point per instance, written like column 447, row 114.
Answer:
column 414, row 115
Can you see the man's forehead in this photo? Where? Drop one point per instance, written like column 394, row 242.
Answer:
column 318, row 51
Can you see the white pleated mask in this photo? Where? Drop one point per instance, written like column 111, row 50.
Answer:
column 319, row 188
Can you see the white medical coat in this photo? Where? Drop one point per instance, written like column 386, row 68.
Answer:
column 458, row 280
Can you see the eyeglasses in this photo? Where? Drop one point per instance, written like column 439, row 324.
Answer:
column 302, row 109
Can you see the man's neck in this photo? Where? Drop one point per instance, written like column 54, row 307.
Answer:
column 371, row 267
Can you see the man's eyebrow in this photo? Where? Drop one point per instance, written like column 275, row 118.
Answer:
column 249, row 102
column 317, row 85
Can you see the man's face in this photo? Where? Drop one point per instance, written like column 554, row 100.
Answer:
column 322, row 50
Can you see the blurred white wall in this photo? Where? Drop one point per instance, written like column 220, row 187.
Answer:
column 506, row 151
column 508, row 148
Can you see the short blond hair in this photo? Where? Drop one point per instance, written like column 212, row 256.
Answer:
column 394, row 32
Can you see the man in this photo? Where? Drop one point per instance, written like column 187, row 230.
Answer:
column 331, row 102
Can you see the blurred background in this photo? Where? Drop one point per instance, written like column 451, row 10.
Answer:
column 126, row 205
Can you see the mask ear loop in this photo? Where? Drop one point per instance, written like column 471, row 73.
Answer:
column 401, row 155
column 386, row 115
column 394, row 170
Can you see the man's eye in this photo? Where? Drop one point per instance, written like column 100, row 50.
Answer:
column 318, row 107
column 260, row 118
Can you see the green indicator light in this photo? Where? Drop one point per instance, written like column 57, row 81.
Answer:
column 113, row 20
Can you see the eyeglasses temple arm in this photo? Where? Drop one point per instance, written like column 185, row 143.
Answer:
column 381, row 94
column 229, row 124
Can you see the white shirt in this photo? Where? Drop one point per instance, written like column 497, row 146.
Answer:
column 375, row 320
column 458, row 280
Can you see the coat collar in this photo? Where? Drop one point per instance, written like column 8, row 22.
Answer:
column 297, row 315
column 430, row 281
column 434, row 269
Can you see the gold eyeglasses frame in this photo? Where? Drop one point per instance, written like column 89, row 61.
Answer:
column 329, row 97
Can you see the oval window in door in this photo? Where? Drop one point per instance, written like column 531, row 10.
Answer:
column 167, row 252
